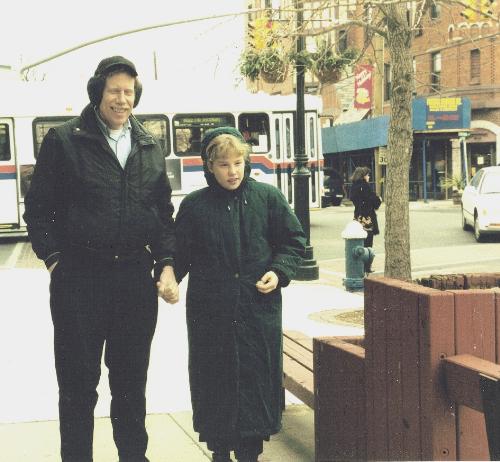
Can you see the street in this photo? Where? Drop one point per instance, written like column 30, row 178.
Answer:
column 438, row 243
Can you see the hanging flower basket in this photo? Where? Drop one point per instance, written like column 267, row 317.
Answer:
column 328, row 75
column 274, row 76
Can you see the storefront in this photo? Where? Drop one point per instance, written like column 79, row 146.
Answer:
column 441, row 126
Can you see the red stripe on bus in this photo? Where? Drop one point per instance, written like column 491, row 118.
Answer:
column 7, row 169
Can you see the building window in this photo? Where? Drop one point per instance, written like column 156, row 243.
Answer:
column 436, row 71
column 387, row 82
column 475, row 66
column 435, row 11
column 342, row 41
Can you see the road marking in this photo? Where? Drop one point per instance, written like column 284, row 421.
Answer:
column 14, row 256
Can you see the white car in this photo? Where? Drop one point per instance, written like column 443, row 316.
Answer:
column 481, row 203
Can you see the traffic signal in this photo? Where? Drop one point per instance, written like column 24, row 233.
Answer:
column 470, row 13
column 487, row 7
column 478, row 9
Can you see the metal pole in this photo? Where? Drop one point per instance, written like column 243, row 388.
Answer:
column 309, row 270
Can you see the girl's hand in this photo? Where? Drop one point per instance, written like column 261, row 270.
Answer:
column 267, row 283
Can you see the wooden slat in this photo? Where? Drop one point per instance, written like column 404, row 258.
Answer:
column 298, row 380
column 462, row 374
column 298, row 353
column 340, row 414
column 436, row 341
column 299, row 338
column 475, row 324
column 376, row 367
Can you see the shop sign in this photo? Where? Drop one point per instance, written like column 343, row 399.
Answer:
column 363, row 86
column 433, row 114
column 382, row 155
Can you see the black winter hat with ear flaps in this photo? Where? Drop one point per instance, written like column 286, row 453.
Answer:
column 208, row 137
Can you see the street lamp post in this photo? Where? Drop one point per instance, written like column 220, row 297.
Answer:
column 309, row 270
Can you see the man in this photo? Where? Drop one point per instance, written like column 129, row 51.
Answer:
column 99, row 214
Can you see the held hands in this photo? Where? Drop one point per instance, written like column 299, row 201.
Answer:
column 167, row 286
column 267, row 283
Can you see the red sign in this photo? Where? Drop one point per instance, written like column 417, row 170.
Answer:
column 363, row 86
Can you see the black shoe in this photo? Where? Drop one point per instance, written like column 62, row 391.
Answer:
column 221, row 457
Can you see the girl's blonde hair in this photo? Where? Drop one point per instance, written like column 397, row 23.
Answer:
column 225, row 145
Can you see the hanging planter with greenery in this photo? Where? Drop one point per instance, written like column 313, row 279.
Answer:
column 327, row 65
column 270, row 64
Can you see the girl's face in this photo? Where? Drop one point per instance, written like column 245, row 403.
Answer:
column 367, row 177
column 229, row 171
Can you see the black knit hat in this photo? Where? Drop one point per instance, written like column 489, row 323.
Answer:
column 106, row 65
column 213, row 133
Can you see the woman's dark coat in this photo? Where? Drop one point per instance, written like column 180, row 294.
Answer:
column 227, row 241
column 365, row 202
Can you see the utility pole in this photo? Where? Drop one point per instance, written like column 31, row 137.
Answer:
column 309, row 269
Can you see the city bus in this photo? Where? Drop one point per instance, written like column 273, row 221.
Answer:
column 178, row 120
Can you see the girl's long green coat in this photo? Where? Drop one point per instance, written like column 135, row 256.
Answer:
column 227, row 241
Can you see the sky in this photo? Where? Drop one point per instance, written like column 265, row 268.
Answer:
column 202, row 54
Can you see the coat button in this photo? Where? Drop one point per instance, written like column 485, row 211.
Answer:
column 116, row 257
column 236, row 275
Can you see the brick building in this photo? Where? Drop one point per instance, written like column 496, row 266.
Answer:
column 454, row 57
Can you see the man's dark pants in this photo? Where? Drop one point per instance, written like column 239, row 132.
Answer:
column 95, row 303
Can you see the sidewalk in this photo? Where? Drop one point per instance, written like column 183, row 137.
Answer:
column 28, row 403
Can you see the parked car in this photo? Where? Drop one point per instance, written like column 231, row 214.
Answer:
column 333, row 188
column 481, row 203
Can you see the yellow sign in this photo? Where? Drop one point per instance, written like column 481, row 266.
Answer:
column 443, row 104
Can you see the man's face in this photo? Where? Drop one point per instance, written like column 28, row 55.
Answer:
column 229, row 171
column 117, row 99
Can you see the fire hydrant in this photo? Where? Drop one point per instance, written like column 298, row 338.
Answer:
column 356, row 256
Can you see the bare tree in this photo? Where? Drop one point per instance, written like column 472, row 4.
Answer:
column 396, row 21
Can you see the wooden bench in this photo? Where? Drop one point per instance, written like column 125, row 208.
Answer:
column 298, row 377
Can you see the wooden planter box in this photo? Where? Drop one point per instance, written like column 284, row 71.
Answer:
column 390, row 400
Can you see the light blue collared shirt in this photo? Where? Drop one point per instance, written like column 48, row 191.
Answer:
column 120, row 141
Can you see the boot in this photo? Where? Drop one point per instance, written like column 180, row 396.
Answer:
column 221, row 457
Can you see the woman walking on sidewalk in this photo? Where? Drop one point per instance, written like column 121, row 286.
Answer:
column 366, row 202
column 240, row 242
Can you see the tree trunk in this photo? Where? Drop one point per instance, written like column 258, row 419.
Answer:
column 397, row 219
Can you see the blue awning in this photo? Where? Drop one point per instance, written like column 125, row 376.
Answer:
column 365, row 134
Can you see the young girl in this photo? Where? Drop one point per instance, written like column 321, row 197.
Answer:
column 240, row 243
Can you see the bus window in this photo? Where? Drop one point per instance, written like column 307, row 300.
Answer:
column 312, row 146
column 189, row 130
column 255, row 130
column 288, row 137
column 157, row 125
column 278, row 138
column 4, row 143
column 40, row 128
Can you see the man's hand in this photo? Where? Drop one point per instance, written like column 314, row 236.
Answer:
column 168, row 288
column 267, row 283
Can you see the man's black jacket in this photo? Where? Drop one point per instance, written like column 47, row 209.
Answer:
column 80, row 197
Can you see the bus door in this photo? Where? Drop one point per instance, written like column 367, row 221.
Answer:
column 282, row 152
column 9, row 210
column 315, row 161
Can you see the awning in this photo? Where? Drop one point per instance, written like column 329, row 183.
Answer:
column 351, row 115
column 365, row 134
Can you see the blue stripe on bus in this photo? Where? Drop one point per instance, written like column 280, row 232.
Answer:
column 7, row 176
